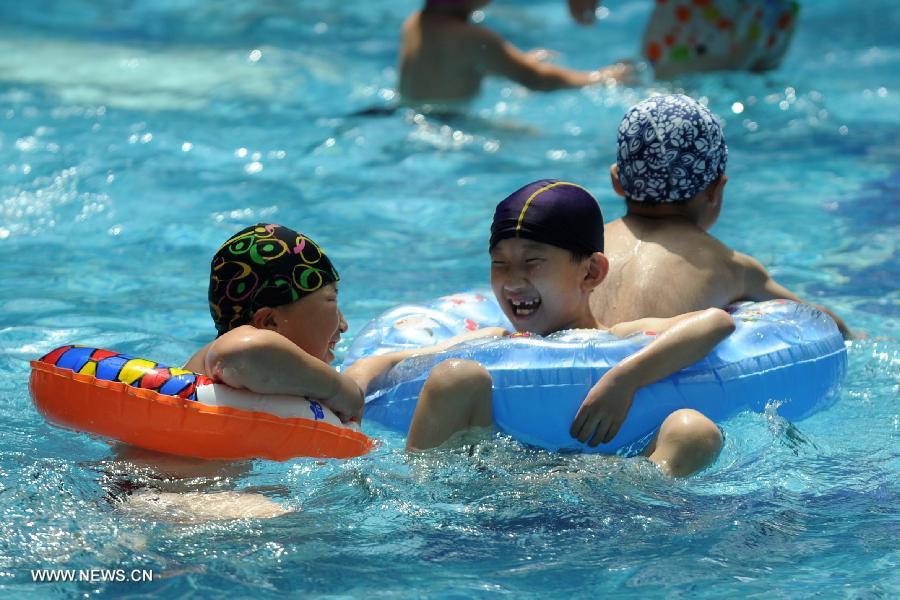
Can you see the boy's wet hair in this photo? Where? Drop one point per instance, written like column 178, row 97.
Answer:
column 669, row 148
column 264, row 265
column 558, row 213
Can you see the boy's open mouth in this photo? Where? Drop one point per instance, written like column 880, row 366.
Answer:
column 524, row 308
column 334, row 342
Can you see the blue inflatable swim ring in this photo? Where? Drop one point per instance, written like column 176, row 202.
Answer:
column 782, row 353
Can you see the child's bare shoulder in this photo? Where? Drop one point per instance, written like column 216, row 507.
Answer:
column 230, row 342
column 438, row 26
column 658, row 238
column 197, row 363
column 700, row 245
column 720, row 258
column 412, row 23
column 752, row 271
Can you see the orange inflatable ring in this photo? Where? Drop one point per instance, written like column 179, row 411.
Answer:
column 165, row 409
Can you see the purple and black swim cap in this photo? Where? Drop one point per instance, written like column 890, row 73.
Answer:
column 553, row 212
column 264, row 265
column 669, row 149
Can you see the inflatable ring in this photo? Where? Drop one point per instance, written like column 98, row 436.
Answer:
column 782, row 353
column 165, row 409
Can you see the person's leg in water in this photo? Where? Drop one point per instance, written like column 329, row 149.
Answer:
column 687, row 442
column 176, row 488
column 456, row 397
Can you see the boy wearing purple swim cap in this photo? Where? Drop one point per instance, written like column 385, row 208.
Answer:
column 547, row 260
column 444, row 57
column 670, row 168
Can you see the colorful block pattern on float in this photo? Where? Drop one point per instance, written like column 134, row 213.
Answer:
column 107, row 365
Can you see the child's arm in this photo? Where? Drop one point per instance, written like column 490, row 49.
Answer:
column 758, row 285
column 499, row 57
column 266, row 362
column 365, row 370
column 682, row 341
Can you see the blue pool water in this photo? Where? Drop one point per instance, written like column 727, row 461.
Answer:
column 135, row 137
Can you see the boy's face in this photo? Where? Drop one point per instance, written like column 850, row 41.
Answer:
column 539, row 287
column 314, row 322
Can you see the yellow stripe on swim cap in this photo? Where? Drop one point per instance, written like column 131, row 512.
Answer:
column 541, row 191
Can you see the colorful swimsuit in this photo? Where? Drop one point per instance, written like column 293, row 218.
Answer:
column 699, row 35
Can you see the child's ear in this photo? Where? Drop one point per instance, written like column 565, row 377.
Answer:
column 720, row 188
column 597, row 268
column 614, row 178
column 718, row 191
column 264, row 318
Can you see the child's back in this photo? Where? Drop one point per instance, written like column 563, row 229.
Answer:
column 444, row 57
column 664, row 268
column 435, row 58
column 670, row 167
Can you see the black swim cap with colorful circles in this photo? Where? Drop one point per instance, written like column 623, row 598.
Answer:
column 553, row 212
column 264, row 265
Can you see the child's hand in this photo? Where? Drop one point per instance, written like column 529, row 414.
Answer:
column 620, row 72
column 542, row 54
column 602, row 412
column 347, row 401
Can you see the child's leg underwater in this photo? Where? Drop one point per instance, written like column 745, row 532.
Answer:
column 686, row 442
column 456, row 397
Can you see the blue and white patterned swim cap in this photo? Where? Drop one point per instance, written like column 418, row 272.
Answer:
column 669, row 148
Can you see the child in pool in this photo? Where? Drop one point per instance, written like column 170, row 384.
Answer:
column 693, row 36
column 444, row 57
column 273, row 296
column 546, row 250
column 670, row 168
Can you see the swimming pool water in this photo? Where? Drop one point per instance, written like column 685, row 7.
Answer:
column 135, row 137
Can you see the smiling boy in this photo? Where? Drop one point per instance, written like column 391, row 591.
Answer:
column 273, row 296
column 546, row 250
